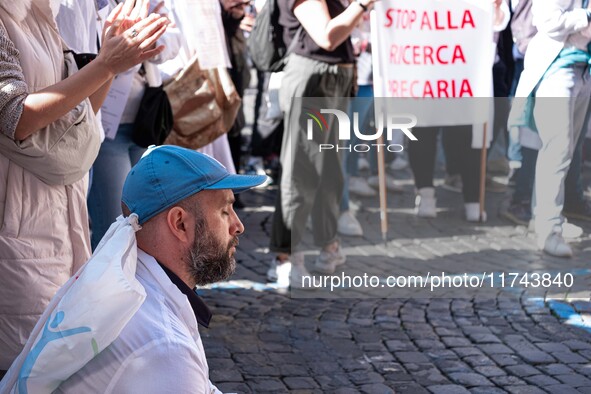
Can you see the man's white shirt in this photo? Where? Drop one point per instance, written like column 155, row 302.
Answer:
column 159, row 351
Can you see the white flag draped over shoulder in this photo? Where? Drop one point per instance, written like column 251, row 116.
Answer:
column 86, row 315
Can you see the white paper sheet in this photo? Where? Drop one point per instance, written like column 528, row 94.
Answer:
column 115, row 102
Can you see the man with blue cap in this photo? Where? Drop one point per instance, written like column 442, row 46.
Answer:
column 127, row 322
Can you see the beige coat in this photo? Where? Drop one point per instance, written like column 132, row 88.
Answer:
column 44, row 235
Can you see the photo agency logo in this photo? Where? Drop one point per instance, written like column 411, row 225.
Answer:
column 317, row 122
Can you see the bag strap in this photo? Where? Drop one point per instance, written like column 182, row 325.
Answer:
column 274, row 10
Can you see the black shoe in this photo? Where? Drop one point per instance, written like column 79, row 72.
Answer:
column 518, row 213
column 580, row 210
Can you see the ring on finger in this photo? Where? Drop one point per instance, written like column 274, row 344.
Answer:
column 134, row 33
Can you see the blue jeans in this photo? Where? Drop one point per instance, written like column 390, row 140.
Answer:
column 115, row 159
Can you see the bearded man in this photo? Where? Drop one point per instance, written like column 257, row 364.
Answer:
column 189, row 234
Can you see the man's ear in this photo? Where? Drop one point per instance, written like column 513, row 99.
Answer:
column 177, row 221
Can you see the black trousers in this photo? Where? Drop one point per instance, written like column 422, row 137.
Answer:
column 458, row 144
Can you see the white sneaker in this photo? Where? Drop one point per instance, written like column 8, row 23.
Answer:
column 354, row 206
column 391, row 184
column 327, row 262
column 349, row 225
column 555, row 245
column 360, row 186
column 399, row 163
column 362, row 164
column 570, row 230
column 278, row 272
column 272, row 271
column 425, row 203
column 298, row 270
column 472, row 210
column 284, row 272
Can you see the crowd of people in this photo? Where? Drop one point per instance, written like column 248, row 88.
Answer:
column 75, row 75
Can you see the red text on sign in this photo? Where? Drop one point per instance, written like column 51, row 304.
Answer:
column 429, row 20
column 426, row 54
column 430, row 89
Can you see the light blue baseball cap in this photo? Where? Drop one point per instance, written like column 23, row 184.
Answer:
column 168, row 174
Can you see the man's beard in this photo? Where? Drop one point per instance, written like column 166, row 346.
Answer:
column 209, row 261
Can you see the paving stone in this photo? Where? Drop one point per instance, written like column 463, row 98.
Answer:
column 346, row 390
column 490, row 371
column 333, row 382
column 469, row 379
column 267, row 385
column 448, row 389
column 576, row 344
column 259, row 370
column 296, row 370
column 234, row 388
column 376, row 388
column 504, row 359
column 524, row 390
column 574, row 380
column 442, row 331
column 455, row 342
column 485, row 338
column 487, row 390
column 363, row 377
column 541, row 380
column 467, row 351
column 441, row 354
column 561, row 389
column 507, row 381
column 495, row 349
column 429, row 377
column 583, row 369
column 552, row 347
column 555, row 369
column 398, row 345
column 408, row 388
column 225, row 375
column 398, row 377
column 569, row 357
column 536, row 357
column 450, row 366
column 478, row 361
column 522, row 370
column 300, row 383
column 428, row 344
column 411, row 357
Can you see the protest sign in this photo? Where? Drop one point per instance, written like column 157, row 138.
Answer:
column 434, row 49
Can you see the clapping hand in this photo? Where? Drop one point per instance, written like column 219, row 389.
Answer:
column 130, row 35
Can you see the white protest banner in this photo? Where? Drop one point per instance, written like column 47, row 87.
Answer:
column 435, row 49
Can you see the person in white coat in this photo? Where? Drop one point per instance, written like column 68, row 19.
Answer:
column 557, row 73
column 188, row 236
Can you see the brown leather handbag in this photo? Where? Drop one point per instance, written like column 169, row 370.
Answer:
column 204, row 104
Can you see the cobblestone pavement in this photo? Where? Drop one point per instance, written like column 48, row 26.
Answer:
column 514, row 340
